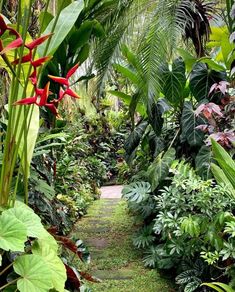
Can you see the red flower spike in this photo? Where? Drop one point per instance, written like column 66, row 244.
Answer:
column 72, row 71
column 71, row 93
column 33, row 77
column 40, row 61
column 25, row 101
column 44, row 95
column 38, row 41
column 61, row 95
column 3, row 26
column 13, row 45
column 24, row 59
column 52, row 108
column 60, row 80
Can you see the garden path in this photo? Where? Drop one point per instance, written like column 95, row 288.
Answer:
column 107, row 230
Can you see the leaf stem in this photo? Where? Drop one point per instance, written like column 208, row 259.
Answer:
column 8, row 284
column 4, row 270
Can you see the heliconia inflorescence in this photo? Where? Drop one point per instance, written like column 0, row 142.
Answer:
column 41, row 94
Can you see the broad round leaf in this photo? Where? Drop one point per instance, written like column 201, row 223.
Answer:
column 27, row 216
column 32, row 223
column 36, row 276
column 53, row 262
column 13, row 233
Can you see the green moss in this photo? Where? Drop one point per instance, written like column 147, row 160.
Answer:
column 117, row 263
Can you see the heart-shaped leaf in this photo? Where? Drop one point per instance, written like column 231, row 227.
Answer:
column 35, row 274
column 53, row 262
column 32, row 223
column 13, row 233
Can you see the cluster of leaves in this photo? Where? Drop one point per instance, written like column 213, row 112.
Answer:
column 29, row 254
column 188, row 224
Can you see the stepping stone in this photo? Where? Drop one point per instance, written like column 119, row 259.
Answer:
column 113, row 275
column 111, row 192
column 94, row 230
column 98, row 243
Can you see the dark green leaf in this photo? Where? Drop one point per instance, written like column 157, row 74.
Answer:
column 201, row 80
column 174, row 82
column 159, row 169
column 189, row 122
column 203, row 162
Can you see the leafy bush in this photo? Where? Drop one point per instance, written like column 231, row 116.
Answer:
column 190, row 225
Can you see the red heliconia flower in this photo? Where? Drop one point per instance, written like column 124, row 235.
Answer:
column 35, row 43
column 18, row 42
column 3, row 26
column 25, row 59
column 39, row 62
column 65, row 82
column 13, row 45
column 208, row 109
column 40, row 99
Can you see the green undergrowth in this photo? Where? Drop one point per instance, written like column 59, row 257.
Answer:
column 108, row 230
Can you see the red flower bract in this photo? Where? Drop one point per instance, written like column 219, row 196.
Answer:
column 40, row 99
column 65, row 82
column 18, row 42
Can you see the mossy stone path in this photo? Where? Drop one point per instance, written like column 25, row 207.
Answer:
column 107, row 230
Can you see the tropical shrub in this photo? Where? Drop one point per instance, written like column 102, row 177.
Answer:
column 185, row 226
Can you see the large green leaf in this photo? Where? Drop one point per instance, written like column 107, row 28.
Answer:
column 53, row 262
column 32, row 223
column 35, row 274
column 126, row 98
column 174, row 82
column 189, row 122
column 13, row 233
column 159, row 169
column 225, row 162
column 28, row 218
column 155, row 114
column 203, row 162
column 127, row 73
column 221, row 178
column 66, row 21
column 220, row 287
column 221, row 155
column 135, row 137
column 201, row 80
column 137, row 192
column 32, row 133
column 81, row 36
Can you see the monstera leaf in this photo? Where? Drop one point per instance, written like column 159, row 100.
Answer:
column 13, row 233
column 174, row 82
column 137, row 192
column 159, row 169
column 35, row 274
column 201, row 80
column 189, row 122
